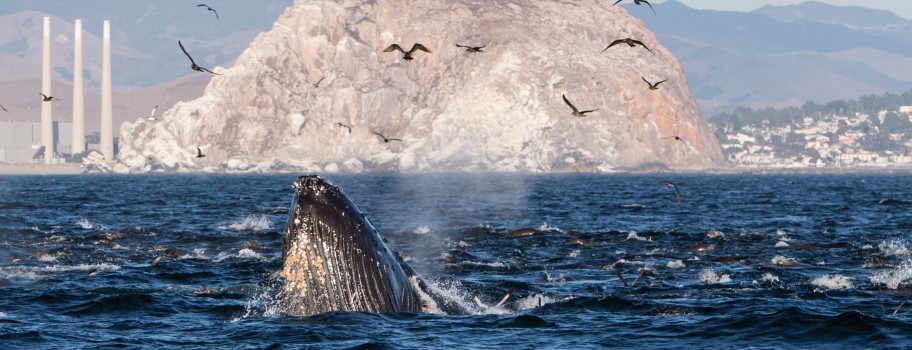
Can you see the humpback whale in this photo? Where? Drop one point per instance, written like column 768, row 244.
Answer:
column 334, row 260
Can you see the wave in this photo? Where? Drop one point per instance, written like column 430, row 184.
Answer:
column 250, row 223
column 92, row 268
column 116, row 304
column 895, row 277
column 710, row 276
column 769, row 278
column 245, row 253
column 780, row 260
column 894, row 248
column 85, row 223
column 18, row 273
column 675, row 264
column 632, row 236
column 833, row 282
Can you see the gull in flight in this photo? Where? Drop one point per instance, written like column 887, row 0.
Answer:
column 630, row 42
column 576, row 112
column 653, row 86
column 151, row 116
column 216, row 12
column 385, row 139
column 193, row 64
column 639, row 2
column 407, row 55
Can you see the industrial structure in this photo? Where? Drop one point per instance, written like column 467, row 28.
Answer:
column 47, row 129
column 78, row 106
column 107, row 122
column 45, row 141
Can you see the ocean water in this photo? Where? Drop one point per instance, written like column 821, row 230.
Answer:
column 188, row 261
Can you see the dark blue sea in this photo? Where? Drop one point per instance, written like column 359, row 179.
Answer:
column 759, row 261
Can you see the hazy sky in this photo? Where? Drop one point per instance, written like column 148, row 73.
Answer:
column 899, row 7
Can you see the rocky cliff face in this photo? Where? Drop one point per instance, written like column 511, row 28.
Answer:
column 500, row 110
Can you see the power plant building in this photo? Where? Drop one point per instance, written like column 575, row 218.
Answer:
column 46, row 141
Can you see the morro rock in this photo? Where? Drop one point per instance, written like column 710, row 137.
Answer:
column 497, row 110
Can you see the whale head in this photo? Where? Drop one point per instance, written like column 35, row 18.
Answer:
column 334, row 259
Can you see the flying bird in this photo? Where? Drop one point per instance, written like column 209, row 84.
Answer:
column 47, row 98
column 216, row 12
column 678, row 139
column 385, row 139
column 345, row 126
column 407, row 55
column 639, row 2
column 4, row 108
column 630, row 42
column 675, row 187
column 653, row 86
column 199, row 153
column 317, row 84
column 472, row 48
column 193, row 65
column 576, row 112
column 151, row 116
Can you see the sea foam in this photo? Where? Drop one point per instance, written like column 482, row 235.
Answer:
column 833, row 282
column 250, row 223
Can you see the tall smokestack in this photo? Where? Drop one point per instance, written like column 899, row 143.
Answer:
column 47, row 129
column 78, row 103
column 107, row 122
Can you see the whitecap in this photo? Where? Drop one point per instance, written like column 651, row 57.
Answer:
column 715, row 234
column 544, row 227
column 451, row 291
column 780, row 260
column 895, row 277
column 782, row 244
column 656, row 251
column 574, row 253
column 85, row 223
column 675, row 264
column 710, row 276
column 496, row 264
column 247, row 253
column 95, row 268
column 250, row 223
column 833, row 282
column 14, row 273
column 534, row 301
column 633, row 236
column 770, row 278
column 894, row 248
column 222, row 256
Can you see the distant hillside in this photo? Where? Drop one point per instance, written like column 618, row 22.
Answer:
column 144, row 35
column 871, row 127
column 857, row 17
column 785, row 55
